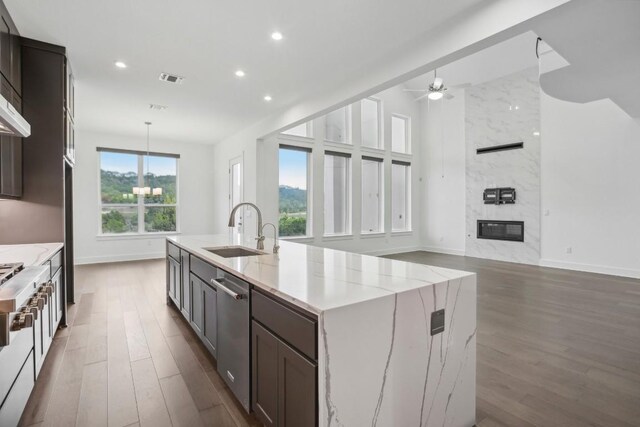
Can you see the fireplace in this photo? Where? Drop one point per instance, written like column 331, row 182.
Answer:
column 501, row 230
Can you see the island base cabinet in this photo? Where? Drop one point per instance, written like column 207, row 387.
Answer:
column 185, row 292
column 173, row 279
column 197, row 297
column 284, row 382
column 210, row 319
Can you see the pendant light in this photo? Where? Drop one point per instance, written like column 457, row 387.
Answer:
column 147, row 190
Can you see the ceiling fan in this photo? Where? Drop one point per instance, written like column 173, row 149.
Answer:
column 437, row 89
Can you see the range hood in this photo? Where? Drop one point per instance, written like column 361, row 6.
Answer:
column 11, row 122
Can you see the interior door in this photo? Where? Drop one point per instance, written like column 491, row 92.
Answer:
column 236, row 190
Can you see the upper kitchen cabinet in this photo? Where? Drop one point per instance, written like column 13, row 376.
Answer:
column 10, row 60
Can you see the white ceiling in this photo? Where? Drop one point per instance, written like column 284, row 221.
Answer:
column 326, row 42
column 502, row 59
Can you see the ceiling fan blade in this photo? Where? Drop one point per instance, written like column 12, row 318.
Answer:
column 421, row 97
column 414, row 90
column 448, row 96
column 461, row 86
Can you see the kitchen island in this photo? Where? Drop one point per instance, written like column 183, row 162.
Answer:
column 336, row 338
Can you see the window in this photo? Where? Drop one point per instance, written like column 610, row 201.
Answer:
column 337, row 194
column 336, row 126
column 400, row 134
column 134, row 186
column 294, row 194
column 400, row 196
column 304, row 130
column 372, row 200
column 370, row 121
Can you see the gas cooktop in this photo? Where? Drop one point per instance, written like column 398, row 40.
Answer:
column 7, row 271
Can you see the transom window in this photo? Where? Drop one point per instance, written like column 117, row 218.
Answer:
column 135, row 186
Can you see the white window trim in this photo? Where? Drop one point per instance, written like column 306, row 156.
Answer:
column 407, row 134
column 309, row 151
column 381, row 145
column 349, row 208
column 140, row 206
column 408, row 229
column 348, row 130
column 381, row 199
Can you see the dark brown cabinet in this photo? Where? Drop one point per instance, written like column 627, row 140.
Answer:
column 284, row 382
column 10, row 149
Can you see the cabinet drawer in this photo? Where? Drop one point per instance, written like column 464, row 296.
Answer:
column 16, row 401
column 204, row 271
column 173, row 251
column 294, row 328
column 12, row 356
column 56, row 263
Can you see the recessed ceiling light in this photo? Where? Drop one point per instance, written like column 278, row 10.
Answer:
column 536, row 133
column 120, row 64
column 276, row 35
column 267, row 98
column 240, row 73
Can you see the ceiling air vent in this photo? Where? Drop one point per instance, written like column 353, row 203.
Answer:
column 157, row 107
column 170, row 78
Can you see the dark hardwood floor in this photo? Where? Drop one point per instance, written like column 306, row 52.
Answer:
column 128, row 359
column 555, row 347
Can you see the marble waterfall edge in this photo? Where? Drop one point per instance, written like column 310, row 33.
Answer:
column 379, row 365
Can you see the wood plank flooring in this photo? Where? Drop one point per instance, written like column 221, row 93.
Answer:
column 555, row 347
column 128, row 359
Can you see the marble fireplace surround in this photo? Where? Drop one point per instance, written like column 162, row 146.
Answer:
column 504, row 111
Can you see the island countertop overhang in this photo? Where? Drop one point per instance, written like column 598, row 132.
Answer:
column 313, row 278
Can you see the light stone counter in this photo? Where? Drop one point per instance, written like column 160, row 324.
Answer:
column 30, row 254
column 378, row 363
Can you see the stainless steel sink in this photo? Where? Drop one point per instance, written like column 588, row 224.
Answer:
column 234, row 251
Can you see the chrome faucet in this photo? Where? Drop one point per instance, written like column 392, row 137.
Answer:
column 232, row 222
column 276, row 246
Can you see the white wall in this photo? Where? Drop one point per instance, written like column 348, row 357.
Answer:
column 481, row 27
column 195, row 197
column 442, row 204
column 590, row 187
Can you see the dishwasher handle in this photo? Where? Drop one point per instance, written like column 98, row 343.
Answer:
column 226, row 290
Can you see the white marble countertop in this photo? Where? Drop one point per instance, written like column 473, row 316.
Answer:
column 314, row 278
column 29, row 254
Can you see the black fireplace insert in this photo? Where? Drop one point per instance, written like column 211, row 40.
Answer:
column 501, row 230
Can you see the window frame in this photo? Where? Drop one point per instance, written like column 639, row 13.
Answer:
column 381, row 199
column 140, row 205
column 407, row 133
column 309, row 131
column 349, row 194
column 407, row 203
column 380, row 118
column 348, row 127
column 309, row 224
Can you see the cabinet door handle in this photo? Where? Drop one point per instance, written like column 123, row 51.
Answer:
column 226, row 290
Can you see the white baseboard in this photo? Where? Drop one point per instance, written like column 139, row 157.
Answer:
column 118, row 258
column 443, row 250
column 382, row 252
column 591, row 268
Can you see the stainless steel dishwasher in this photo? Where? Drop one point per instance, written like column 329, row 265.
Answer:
column 233, row 334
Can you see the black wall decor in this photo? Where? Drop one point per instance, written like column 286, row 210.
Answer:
column 499, row 196
column 495, row 148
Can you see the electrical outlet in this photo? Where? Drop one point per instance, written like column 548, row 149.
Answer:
column 569, row 250
column 437, row 322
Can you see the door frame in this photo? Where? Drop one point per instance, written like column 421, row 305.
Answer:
column 237, row 160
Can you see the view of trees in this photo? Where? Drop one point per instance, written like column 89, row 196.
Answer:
column 293, row 211
column 117, row 189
